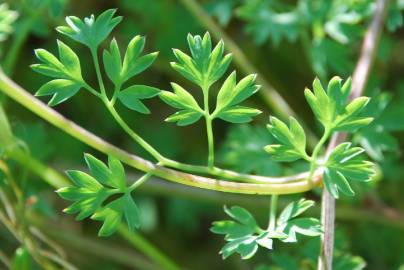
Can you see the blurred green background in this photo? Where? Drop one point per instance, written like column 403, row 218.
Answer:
column 288, row 52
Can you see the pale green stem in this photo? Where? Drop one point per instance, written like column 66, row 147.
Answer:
column 267, row 185
column 209, row 131
column 98, row 71
column 314, row 157
column 141, row 180
column 272, row 213
column 133, row 134
column 148, row 249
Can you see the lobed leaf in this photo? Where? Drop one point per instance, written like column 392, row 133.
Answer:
column 131, row 96
column 205, row 66
column 345, row 164
column 292, row 139
column 89, row 193
column 92, row 30
column 331, row 109
column 189, row 113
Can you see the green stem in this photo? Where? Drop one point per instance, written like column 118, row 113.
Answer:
column 133, row 134
column 267, row 185
column 272, row 213
column 209, row 131
column 98, row 71
column 269, row 94
column 314, row 157
column 140, row 181
column 148, row 249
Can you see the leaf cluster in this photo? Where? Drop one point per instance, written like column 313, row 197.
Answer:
column 244, row 235
column 335, row 113
column 90, row 192
column 204, row 67
column 66, row 70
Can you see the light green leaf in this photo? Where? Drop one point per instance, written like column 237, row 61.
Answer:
column 331, row 109
column 99, row 170
column 304, row 226
column 92, row 30
column 90, row 192
column 113, row 63
column 292, row 139
column 189, row 113
column 205, row 66
column 294, row 209
column 22, row 260
column 131, row 213
column 111, row 215
column 184, row 117
column 131, row 96
column 61, row 89
column 118, row 173
column 70, row 61
column 238, row 114
column 345, row 164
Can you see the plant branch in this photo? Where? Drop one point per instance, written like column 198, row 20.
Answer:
column 269, row 185
column 148, row 249
column 359, row 81
column 47, row 174
column 272, row 213
column 268, row 93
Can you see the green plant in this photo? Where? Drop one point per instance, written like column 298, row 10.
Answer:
column 206, row 66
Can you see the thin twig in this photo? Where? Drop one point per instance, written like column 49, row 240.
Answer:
column 359, row 81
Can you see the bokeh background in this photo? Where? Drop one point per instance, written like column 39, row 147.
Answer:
column 289, row 43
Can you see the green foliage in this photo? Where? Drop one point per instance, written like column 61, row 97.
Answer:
column 323, row 27
column 377, row 138
column 22, row 260
column 331, row 109
column 91, row 191
column 189, row 113
column 7, row 17
column 204, row 67
column 345, row 163
column 244, row 235
column 131, row 96
column 119, row 71
column 242, row 151
column 66, row 70
column 293, row 140
column 231, row 94
column 91, row 31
